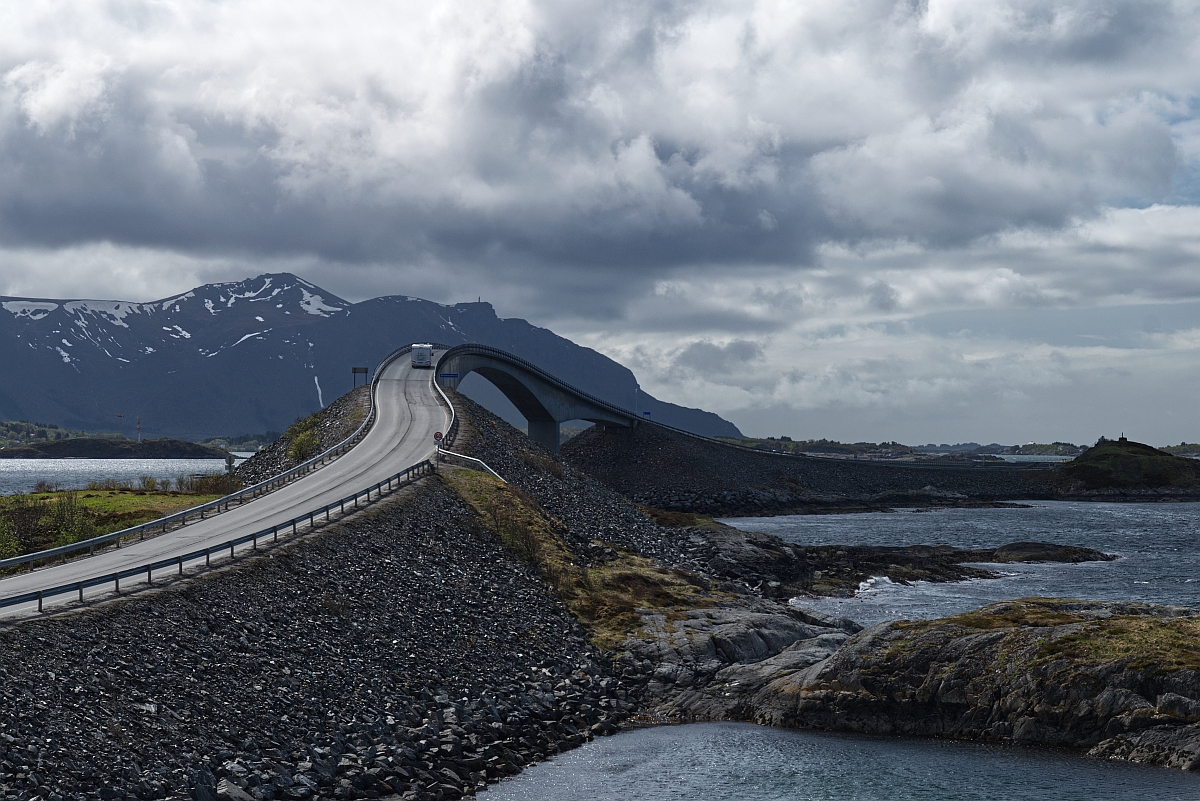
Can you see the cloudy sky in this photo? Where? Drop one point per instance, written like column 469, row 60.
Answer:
column 938, row 220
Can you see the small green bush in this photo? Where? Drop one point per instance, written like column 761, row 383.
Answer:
column 69, row 520
column 304, row 445
column 9, row 547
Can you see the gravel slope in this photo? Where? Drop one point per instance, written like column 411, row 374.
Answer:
column 403, row 651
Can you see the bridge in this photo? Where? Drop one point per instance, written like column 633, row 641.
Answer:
column 394, row 446
column 544, row 401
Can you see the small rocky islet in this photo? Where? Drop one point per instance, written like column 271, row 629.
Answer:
column 463, row 628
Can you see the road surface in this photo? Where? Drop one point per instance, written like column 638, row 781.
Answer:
column 408, row 412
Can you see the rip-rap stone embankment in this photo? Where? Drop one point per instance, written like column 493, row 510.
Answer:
column 668, row 470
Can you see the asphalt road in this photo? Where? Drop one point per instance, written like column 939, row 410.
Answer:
column 408, row 412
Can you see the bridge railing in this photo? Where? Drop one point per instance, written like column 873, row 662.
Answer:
column 488, row 350
column 199, row 512
column 403, row 478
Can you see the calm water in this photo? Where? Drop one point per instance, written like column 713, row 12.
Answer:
column 21, row 475
column 737, row 761
column 1159, row 546
column 1159, row 562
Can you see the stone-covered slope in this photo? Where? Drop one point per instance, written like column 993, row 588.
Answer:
column 332, row 424
column 668, row 470
column 403, row 651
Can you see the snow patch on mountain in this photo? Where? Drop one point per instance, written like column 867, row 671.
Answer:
column 315, row 304
column 114, row 311
column 32, row 309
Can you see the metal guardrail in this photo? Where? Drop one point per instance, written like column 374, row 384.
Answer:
column 160, row 525
column 443, row 454
column 403, row 478
column 452, row 434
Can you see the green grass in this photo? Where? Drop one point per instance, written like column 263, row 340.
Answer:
column 102, row 511
column 1115, row 464
column 1133, row 641
column 604, row 596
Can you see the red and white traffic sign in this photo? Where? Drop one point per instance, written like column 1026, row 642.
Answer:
column 437, row 436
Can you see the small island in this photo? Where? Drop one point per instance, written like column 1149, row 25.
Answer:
column 110, row 448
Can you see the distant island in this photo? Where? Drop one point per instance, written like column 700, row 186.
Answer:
column 108, row 448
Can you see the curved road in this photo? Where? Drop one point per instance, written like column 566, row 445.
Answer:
column 408, row 412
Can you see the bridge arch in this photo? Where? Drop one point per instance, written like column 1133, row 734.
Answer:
column 545, row 401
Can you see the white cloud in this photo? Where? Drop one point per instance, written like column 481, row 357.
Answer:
column 817, row 181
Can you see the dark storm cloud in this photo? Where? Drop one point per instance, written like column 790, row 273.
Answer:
column 762, row 204
column 621, row 140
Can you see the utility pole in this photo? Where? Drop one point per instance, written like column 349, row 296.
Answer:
column 120, row 424
column 139, row 421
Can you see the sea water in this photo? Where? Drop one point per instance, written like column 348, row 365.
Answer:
column 741, row 762
column 22, row 475
column 1159, row 561
column 1157, row 545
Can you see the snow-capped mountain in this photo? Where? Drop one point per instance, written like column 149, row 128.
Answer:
column 253, row 355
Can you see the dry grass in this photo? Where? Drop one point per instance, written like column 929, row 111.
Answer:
column 604, row 597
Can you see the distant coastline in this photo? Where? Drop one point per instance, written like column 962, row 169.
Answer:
column 106, row 448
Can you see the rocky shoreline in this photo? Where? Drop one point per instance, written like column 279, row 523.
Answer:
column 1105, row 678
column 433, row 644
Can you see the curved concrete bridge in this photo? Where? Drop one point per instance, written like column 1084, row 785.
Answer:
column 409, row 409
column 544, row 401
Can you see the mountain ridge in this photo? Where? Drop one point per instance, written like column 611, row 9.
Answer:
column 250, row 355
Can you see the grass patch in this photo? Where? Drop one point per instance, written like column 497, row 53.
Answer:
column 1141, row 643
column 678, row 519
column 41, row 520
column 1135, row 641
column 605, row 597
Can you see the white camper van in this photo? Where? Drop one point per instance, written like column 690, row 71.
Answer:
column 422, row 355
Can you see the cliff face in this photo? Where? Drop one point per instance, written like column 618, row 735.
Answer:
column 1119, row 679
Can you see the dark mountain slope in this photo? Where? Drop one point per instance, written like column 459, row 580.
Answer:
column 254, row 355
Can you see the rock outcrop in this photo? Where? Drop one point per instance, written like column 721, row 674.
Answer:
column 1120, row 680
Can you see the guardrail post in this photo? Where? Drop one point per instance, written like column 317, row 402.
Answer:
column 149, row 577
column 275, row 533
column 293, row 526
column 254, row 540
column 207, row 556
column 117, row 582
column 231, row 549
column 80, row 586
column 39, row 600
column 181, row 565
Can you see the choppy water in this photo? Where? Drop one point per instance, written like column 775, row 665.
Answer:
column 1160, row 562
column 712, row 761
column 1158, row 545
column 22, row 475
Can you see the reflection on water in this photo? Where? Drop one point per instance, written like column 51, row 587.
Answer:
column 22, row 475
column 751, row 763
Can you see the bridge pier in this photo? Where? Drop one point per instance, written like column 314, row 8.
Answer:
column 543, row 400
column 545, row 434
